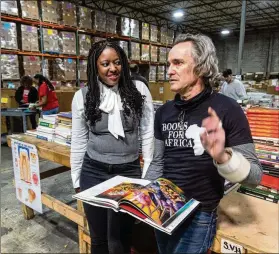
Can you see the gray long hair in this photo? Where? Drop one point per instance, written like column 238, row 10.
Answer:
column 204, row 54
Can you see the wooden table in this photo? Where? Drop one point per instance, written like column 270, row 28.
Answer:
column 243, row 220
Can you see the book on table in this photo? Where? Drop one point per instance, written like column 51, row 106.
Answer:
column 160, row 204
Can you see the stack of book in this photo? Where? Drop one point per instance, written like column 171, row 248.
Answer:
column 63, row 130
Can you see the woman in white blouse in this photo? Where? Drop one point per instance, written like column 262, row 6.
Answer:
column 110, row 116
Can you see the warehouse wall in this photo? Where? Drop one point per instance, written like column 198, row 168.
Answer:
column 255, row 52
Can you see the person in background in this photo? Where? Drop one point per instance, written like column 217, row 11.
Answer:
column 47, row 96
column 201, row 139
column 134, row 68
column 232, row 87
column 108, row 118
column 26, row 94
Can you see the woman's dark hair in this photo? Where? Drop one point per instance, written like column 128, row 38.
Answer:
column 26, row 80
column 42, row 79
column 130, row 96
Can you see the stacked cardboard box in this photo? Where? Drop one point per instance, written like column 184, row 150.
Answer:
column 31, row 65
column 124, row 46
column 170, row 36
column 68, row 43
column 9, row 67
column 164, row 35
column 145, row 31
column 9, row 7
column 85, row 17
column 8, row 35
column 83, row 69
column 162, row 54
column 125, row 26
column 70, row 69
column 85, row 43
column 161, row 73
column 154, row 53
column 152, row 73
column 29, row 9
column 68, row 15
column 145, row 56
column 51, row 40
column 111, row 23
column 153, row 33
column 30, row 40
column 56, row 69
column 135, row 51
column 134, row 25
column 100, row 21
column 50, row 11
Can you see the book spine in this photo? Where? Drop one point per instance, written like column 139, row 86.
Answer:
column 258, row 196
column 49, row 125
column 43, row 138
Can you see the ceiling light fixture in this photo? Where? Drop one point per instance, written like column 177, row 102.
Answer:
column 225, row 31
column 178, row 14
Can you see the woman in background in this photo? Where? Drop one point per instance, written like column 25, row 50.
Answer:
column 47, row 96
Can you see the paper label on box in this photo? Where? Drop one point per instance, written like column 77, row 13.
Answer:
column 6, row 25
column 88, row 40
column 70, row 60
column 49, row 2
column 29, row 28
column 69, row 6
column 230, row 247
column 277, row 88
column 49, row 32
column 4, row 100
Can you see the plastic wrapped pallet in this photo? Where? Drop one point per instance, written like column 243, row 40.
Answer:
column 152, row 73
column 135, row 51
column 68, row 16
column 153, row 33
column 11, row 85
column 125, row 26
column 9, row 7
column 162, row 54
column 85, row 43
column 70, row 69
column 97, row 39
column 154, row 53
column 83, row 69
column 145, row 31
column 29, row 9
column 161, row 73
column 51, row 40
column 134, row 24
column 8, row 35
column 170, row 36
column 50, row 11
column 168, row 51
column 85, row 17
column 100, row 21
column 68, row 43
column 9, row 66
column 30, row 40
column 164, row 35
column 56, row 69
column 111, row 23
column 31, row 65
column 124, row 46
column 145, row 56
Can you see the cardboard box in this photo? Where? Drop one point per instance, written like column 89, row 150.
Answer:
column 273, row 82
column 134, row 25
column 152, row 73
column 154, row 53
column 85, row 17
column 29, row 36
column 9, row 66
column 154, row 33
column 68, row 43
column 125, row 26
column 68, row 16
column 164, row 35
column 63, row 70
column 50, row 11
column 29, row 9
column 51, row 40
column 161, row 73
column 8, row 35
column 83, row 69
column 170, row 36
column 111, row 23
column 70, row 69
column 85, row 43
column 145, row 56
column 157, row 91
column 31, row 65
column 100, row 18
column 145, row 31
column 124, row 46
column 168, row 94
column 273, row 90
column 9, row 7
column 162, row 54
column 135, row 51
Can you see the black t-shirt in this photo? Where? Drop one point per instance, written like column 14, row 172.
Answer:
column 186, row 163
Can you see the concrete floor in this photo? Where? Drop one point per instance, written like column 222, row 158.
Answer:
column 46, row 233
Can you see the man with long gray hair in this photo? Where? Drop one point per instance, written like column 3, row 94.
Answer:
column 201, row 139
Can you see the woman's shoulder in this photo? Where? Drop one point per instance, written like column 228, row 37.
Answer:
column 142, row 88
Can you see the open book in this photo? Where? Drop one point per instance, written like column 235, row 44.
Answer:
column 160, row 204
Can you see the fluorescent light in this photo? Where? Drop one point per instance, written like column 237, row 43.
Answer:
column 225, row 31
column 178, row 14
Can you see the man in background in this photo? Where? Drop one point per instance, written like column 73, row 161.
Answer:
column 134, row 68
column 232, row 87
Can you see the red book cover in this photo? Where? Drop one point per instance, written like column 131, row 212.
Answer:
column 270, row 181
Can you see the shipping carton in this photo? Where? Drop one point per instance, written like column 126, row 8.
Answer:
column 9, row 67
column 29, row 9
column 30, row 40
column 50, row 11
column 85, row 17
column 8, row 35
column 31, row 65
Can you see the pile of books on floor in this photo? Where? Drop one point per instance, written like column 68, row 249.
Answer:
column 264, row 124
column 63, row 130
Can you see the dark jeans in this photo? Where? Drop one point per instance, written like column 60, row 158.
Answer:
column 33, row 121
column 110, row 232
column 195, row 235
